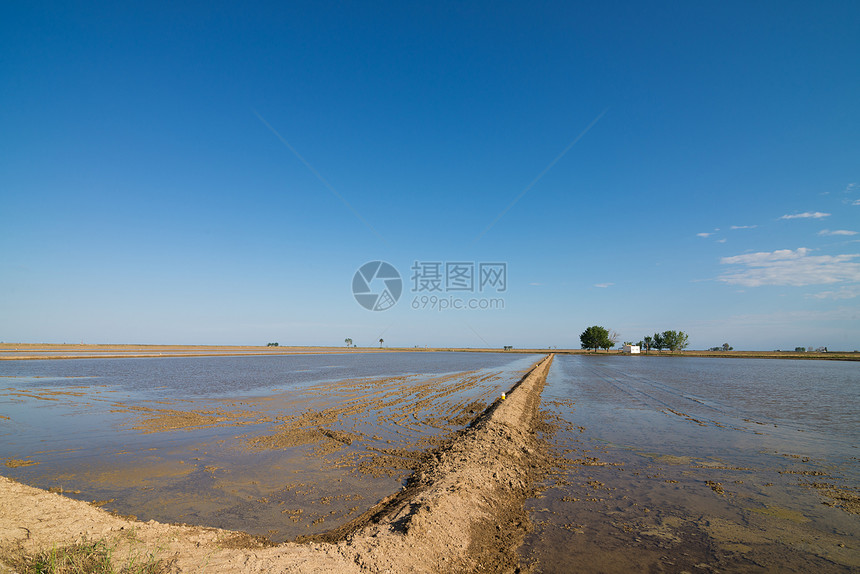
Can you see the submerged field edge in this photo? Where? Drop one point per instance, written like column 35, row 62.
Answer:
column 461, row 510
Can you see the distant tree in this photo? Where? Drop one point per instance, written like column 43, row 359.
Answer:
column 800, row 349
column 348, row 341
column 658, row 342
column 727, row 347
column 380, row 342
column 595, row 337
column 614, row 337
column 272, row 345
column 648, row 342
column 675, row 340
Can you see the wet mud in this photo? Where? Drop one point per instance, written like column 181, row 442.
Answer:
column 460, row 511
column 283, row 466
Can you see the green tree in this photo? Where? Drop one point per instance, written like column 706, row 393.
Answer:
column 595, row 337
column 348, row 341
column 659, row 343
column 380, row 342
column 647, row 342
column 727, row 347
column 675, row 340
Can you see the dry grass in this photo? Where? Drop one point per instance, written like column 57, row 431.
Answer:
column 22, row 351
column 84, row 557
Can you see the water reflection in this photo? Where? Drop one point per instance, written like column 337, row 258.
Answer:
column 674, row 464
column 279, row 445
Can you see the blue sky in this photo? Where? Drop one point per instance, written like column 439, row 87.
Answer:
column 216, row 173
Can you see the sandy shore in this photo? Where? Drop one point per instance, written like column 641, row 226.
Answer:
column 462, row 510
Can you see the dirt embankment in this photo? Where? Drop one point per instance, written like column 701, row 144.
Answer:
column 462, row 511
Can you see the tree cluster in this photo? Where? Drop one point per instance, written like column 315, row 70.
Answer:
column 671, row 340
column 725, row 347
column 272, row 345
column 597, row 337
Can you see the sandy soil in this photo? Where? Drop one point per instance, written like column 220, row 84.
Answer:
column 31, row 351
column 462, row 510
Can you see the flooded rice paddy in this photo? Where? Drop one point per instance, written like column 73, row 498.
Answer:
column 282, row 446
column 662, row 464
column 671, row 464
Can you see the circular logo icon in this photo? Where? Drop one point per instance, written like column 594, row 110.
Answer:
column 377, row 286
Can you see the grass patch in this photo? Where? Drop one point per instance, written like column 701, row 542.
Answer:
column 84, row 558
column 15, row 463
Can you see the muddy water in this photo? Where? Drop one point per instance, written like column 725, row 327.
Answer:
column 695, row 464
column 280, row 446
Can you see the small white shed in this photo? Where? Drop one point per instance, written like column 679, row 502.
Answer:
column 630, row 349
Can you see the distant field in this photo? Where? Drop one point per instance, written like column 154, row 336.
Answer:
column 71, row 351
column 64, row 351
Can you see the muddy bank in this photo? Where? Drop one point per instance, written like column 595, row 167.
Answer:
column 296, row 462
column 462, row 510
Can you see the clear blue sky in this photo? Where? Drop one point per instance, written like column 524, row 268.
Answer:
column 216, row 173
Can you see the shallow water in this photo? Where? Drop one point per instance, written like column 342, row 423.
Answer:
column 672, row 464
column 280, row 446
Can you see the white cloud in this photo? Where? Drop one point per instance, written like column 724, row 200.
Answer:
column 536, row 284
column 704, row 234
column 604, row 285
column 850, row 187
column 743, row 226
column 721, row 240
column 786, row 267
column 844, row 293
column 855, row 202
column 806, row 215
column 837, row 232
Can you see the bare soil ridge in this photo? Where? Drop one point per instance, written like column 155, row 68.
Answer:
column 462, row 511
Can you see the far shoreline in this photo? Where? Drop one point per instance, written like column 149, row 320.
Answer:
column 45, row 351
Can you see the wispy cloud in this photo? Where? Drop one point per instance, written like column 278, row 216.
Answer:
column 743, row 226
column 535, row 284
column 855, row 202
column 723, row 240
column 806, row 215
column 604, row 285
column 704, row 234
column 837, row 232
column 844, row 293
column 786, row 267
